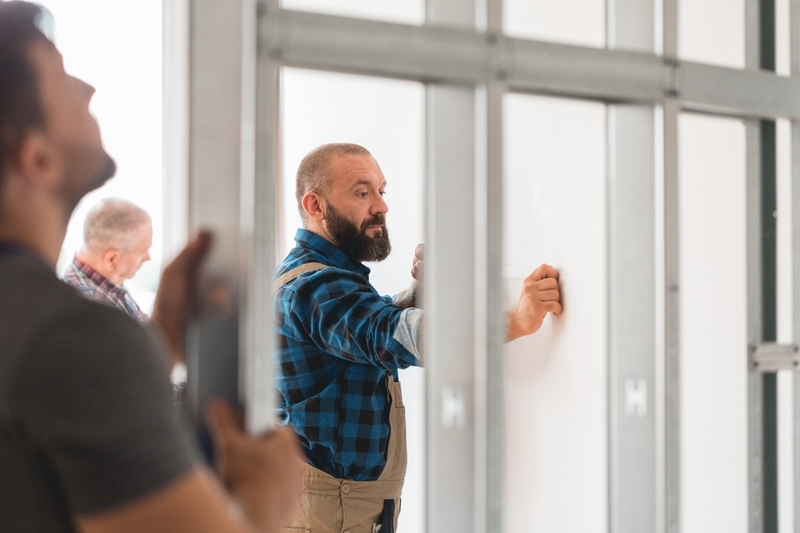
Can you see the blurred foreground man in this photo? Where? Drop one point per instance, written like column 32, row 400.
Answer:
column 341, row 344
column 117, row 236
column 88, row 439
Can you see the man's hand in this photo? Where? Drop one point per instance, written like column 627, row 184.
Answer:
column 540, row 295
column 176, row 296
column 418, row 267
column 263, row 475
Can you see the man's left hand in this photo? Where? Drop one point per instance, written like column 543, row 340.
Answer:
column 176, row 295
column 540, row 295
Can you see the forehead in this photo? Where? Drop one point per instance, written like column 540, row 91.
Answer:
column 351, row 170
column 47, row 62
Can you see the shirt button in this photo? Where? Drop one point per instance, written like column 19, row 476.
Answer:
column 345, row 490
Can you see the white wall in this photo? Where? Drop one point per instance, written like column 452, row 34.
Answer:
column 713, row 325
column 556, row 388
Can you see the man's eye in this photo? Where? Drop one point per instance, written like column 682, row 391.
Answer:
column 362, row 194
column 383, row 193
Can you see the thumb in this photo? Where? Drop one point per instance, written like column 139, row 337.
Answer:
column 224, row 424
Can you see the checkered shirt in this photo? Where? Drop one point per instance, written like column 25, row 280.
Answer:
column 96, row 286
column 338, row 339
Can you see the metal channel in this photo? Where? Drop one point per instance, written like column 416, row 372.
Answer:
column 215, row 150
column 489, row 320
column 261, row 167
column 671, row 365
column 632, row 286
column 754, row 327
column 462, row 55
column 795, row 72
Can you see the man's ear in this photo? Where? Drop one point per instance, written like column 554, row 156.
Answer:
column 37, row 161
column 111, row 259
column 314, row 205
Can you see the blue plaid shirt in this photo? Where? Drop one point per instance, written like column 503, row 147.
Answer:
column 337, row 341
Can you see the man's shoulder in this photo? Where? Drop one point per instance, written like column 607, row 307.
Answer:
column 33, row 300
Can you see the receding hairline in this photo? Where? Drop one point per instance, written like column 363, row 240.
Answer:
column 314, row 171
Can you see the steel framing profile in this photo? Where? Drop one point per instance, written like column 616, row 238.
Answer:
column 434, row 54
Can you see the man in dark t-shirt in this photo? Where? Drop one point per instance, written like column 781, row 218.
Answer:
column 88, row 439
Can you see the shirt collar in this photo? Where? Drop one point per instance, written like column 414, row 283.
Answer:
column 96, row 276
column 310, row 240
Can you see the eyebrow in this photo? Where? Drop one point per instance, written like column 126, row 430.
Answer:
column 368, row 182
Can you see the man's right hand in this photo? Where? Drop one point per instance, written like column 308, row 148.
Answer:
column 263, row 475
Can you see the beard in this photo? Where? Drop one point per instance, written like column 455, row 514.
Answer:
column 86, row 170
column 354, row 241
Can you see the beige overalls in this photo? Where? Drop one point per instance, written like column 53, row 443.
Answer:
column 331, row 505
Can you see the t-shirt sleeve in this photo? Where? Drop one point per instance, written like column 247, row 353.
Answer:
column 93, row 394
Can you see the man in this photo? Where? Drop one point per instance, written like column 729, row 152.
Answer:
column 88, row 438
column 341, row 343
column 117, row 236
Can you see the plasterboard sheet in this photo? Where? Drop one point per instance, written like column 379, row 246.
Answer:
column 581, row 22
column 405, row 12
column 713, row 325
column 556, row 380
column 712, row 31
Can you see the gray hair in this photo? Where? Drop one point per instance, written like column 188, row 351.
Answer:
column 313, row 174
column 111, row 224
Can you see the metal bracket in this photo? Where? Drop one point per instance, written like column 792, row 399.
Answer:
column 771, row 357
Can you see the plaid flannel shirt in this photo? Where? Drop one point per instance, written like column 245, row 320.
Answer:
column 337, row 341
column 96, row 286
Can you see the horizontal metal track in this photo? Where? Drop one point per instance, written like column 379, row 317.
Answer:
column 431, row 54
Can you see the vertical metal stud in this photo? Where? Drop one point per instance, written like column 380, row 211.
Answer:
column 671, row 365
column 632, row 312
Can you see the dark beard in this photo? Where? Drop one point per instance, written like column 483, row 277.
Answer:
column 354, row 241
column 86, row 172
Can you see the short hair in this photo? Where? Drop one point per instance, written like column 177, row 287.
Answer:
column 21, row 110
column 111, row 224
column 313, row 174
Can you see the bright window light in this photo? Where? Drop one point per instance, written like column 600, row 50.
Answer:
column 116, row 47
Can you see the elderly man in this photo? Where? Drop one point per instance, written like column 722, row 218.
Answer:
column 117, row 236
column 89, row 442
column 341, row 344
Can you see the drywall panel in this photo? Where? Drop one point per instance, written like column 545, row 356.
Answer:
column 388, row 118
column 580, row 22
column 556, row 395
column 713, row 325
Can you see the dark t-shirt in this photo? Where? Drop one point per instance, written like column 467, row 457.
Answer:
column 86, row 415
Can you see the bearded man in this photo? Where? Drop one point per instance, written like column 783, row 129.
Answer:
column 341, row 344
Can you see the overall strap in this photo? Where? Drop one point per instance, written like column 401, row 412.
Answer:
column 294, row 273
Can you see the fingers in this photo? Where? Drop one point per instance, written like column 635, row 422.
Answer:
column 419, row 252
column 543, row 272
column 192, row 255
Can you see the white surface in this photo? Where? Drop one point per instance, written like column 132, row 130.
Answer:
column 785, row 334
column 711, row 31
column 556, row 395
column 117, row 49
column 403, row 11
column 581, row 22
column 713, row 325
column 387, row 118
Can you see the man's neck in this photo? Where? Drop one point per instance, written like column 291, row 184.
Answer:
column 95, row 263
column 36, row 224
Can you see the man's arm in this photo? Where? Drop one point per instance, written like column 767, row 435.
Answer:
column 262, row 475
column 540, row 295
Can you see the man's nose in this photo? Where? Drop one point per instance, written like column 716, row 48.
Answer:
column 380, row 206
